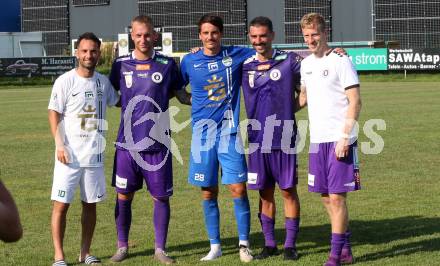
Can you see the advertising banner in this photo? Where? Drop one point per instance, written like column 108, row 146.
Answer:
column 414, row 59
column 35, row 66
column 368, row 58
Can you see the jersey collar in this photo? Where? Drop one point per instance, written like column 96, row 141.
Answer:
column 255, row 57
column 152, row 55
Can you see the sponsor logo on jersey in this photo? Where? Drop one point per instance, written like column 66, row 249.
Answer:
column 89, row 94
column 143, row 67
column 162, row 60
column 128, row 76
column 280, row 57
column 213, row 66
column 227, row 61
column 142, row 75
column 216, row 89
column 156, row 77
column 88, row 119
column 100, row 196
column 309, row 73
column 251, row 78
column 263, row 67
column 275, row 74
column 74, row 94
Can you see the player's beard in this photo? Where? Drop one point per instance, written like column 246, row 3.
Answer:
column 89, row 65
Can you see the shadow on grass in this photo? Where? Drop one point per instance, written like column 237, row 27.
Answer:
column 316, row 239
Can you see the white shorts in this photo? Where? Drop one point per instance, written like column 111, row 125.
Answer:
column 91, row 181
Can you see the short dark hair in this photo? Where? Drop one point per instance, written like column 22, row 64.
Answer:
column 88, row 36
column 262, row 21
column 212, row 19
column 143, row 19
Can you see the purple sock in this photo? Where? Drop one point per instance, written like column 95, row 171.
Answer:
column 347, row 244
column 161, row 221
column 292, row 229
column 268, row 227
column 123, row 221
column 337, row 242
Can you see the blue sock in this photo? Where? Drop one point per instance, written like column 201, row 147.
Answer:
column 243, row 217
column 212, row 220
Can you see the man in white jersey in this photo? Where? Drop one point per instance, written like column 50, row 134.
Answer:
column 330, row 86
column 77, row 110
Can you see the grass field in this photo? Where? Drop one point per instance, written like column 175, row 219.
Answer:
column 395, row 219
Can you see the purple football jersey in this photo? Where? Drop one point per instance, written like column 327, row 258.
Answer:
column 269, row 92
column 145, row 86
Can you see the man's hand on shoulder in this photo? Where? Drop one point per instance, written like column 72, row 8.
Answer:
column 340, row 51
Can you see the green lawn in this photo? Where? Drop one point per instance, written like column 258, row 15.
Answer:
column 395, row 219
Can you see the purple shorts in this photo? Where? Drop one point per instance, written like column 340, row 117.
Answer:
column 266, row 169
column 327, row 175
column 128, row 175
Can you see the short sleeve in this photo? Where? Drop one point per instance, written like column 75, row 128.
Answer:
column 295, row 66
column 347, row 73
column 244, row 52
column 115, row 74
column 58, row 97
column 184, row 75
column 176, row 82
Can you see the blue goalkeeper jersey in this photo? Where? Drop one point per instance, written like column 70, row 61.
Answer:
column 215, row 86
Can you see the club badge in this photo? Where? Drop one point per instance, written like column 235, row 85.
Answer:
column 275, row 74
column 227, row 61
column 156, row 77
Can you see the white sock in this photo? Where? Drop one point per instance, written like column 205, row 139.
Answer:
column 215, row 252
column 159, row 250
column 244, row 243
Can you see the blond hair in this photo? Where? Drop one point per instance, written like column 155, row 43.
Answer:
column 313, row 19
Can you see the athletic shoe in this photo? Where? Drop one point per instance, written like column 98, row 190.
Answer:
column 120, row 255
column 290, row 254
column 91, row 260
column 267, row 252
column 245, row 254
column 346, row 256
column 59, row 263
column 332, row 261
column 163, row 257
column 213, row 253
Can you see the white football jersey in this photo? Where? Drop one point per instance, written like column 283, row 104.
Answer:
column 82, row 104
column 326, row 80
